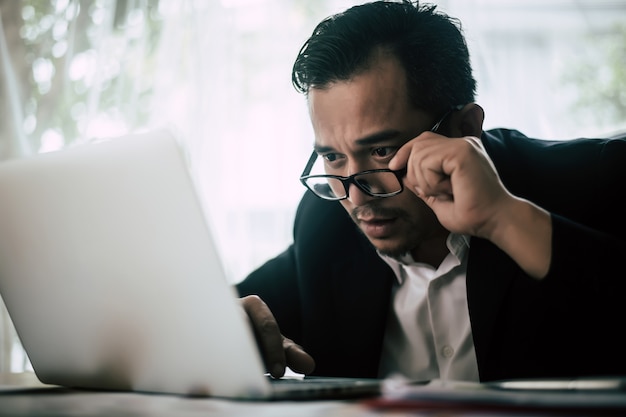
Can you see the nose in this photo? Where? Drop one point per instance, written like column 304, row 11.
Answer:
column 357, row 197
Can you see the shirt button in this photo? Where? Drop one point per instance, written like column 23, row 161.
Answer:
column 447, row 351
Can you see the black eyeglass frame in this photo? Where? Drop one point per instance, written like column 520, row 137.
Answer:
column 346, row 181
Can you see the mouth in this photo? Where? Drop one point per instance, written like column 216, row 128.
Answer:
column 376, row 221
column 377, row 228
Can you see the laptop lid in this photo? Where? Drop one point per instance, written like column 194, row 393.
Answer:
column 111, row 276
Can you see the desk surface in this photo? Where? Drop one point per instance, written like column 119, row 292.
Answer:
column 24, row 395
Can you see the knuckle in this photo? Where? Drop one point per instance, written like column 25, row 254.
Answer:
column 267, row 325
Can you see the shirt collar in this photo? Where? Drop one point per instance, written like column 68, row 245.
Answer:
column 457, row 245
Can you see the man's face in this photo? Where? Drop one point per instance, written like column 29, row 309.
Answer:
column 359, row 124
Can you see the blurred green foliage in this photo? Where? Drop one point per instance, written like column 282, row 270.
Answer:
column 599, row 77
column 85, row 58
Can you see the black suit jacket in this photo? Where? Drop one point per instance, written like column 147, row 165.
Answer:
column 330, row 291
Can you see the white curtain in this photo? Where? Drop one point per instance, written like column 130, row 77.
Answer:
column 218, row 72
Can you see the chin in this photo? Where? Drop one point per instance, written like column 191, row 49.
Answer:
column 397, row 251
column 397, row 255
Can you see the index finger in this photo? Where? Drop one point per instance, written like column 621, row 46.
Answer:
column 267, row 334
column 401, row 158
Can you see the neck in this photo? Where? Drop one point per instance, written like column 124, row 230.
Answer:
column 432, row 251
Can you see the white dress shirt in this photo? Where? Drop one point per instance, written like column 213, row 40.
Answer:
column 428, row 333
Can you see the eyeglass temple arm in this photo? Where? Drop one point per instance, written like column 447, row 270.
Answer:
column 309, row 164
column 446, row 114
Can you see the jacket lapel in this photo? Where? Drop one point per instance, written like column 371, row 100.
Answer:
column 489, row 276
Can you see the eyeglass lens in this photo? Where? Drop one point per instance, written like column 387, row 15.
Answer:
column 378, row 184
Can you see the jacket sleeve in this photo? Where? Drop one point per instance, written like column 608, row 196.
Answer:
column 291, row 283
column 587, row 255
column 277, row 284
column 581, row 182
column 567, row 324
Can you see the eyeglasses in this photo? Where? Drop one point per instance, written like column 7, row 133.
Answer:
column 380, row 183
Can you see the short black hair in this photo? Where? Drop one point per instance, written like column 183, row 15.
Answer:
column 429, row 44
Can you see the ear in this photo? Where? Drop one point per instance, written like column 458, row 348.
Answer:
column 468, row 121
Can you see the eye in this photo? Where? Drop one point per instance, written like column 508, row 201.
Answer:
column 384, row 151
column 330, row 157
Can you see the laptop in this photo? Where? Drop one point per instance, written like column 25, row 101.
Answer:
column 113, row 281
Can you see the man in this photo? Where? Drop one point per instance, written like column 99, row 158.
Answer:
column 428, row 247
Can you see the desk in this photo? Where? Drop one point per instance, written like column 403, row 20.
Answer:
column 23, row 395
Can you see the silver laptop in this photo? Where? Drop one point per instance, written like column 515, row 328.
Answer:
column 113, row 281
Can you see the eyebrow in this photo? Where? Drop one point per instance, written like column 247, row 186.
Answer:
column 373, row 139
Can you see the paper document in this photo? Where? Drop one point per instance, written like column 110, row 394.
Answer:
column 457, row 394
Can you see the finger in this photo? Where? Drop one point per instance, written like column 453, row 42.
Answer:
column 435, row 183
column 401, row 158
column 420, row 177
column 267, row 333
column 297, row 359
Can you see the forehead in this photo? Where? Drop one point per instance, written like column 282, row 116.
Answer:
column 374, row 100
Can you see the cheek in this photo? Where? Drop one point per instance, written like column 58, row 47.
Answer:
column 347, row 205
column 413, row 205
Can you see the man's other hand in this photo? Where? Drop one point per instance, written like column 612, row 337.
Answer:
column 277, row 351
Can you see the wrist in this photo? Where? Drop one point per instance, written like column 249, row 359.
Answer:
column 524, row 231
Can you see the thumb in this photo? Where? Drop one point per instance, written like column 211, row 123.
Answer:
column 297, row 359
